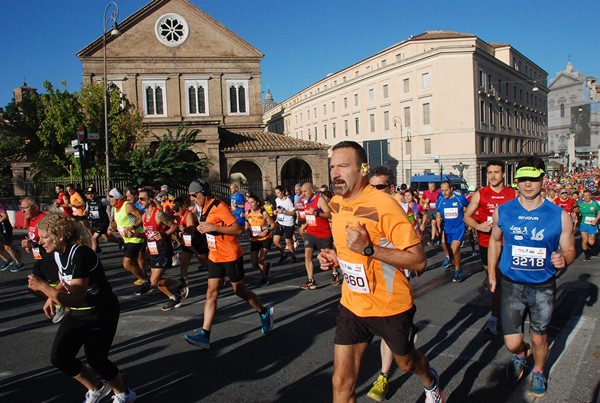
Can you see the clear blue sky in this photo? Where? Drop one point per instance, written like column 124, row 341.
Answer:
column 305, row 40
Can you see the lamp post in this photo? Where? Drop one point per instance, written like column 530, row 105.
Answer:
column 396, row 120
column 113, row 32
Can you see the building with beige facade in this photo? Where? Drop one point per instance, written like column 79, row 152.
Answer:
column 180, row 66
column 573, row 118
column 440, row 101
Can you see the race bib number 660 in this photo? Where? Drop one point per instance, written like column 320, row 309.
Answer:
column 355, row 277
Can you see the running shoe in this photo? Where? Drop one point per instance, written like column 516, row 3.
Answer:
column 183, row 288
column 145, row 288
column 587, row 255
column 282, row 259
column 171, row 304
column 266, row 320
column 294, row 259
column 121, row 244
column 59, row 313
column 457, row 277
column 491, row 327
column 446, row 263
column 335, row 279
column 198, row 338
column 434, row 395
column 296, row 243
column 125, row 397
column 516, row 366
column 6, row 265
column 309, row 285
column 139, row 281
column 175, row 261
column 93, row 396
column 379, row 389
column 17, row 268
column 264, row 281
column 538, row 385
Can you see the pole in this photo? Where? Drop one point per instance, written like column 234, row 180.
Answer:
column 113, row 18
column 402, row 154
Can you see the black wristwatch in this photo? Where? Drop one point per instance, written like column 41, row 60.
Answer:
column 369, row 251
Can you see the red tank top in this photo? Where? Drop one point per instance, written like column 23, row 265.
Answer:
column 488, row 202
column 32, row 230
column 316, row 226
column 151, row 227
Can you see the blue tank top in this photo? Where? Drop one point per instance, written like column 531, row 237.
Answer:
column 452, row 213
column 530, row 237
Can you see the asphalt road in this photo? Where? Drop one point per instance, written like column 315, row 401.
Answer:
column 294, row 362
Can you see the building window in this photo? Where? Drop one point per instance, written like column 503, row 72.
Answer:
column 386, row 120
column 325, row 132
column 562, row 110
column 356, row 126
column 197, row 97
column 426, row 114
column 383, row 63
column 508, row 118
column 324, row 109
column 155, row 98
column 238, row 99
column 425, row 80
column 377, row 152
column 407, row 116
column 489, row 83
column 492, row 114
column 482, row 144
column 355, row 99
column 427, row 146
column 482, row 111
column 345, row 103
column 481, row 79
column 406, row 85
column 385, row 91
column 172, row 30
column 308, row 114
column 501, row 116
column 372, row 122
column 316, row 134
column 346, row 128
column 371, row 95
column 333, row 129
column 333, row 107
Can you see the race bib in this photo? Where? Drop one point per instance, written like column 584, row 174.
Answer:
column 94, row 215
column 311, row 220
column 36, row 253
column 528, row 258
column 355, row 277
column 187, row 240
column 280, row 217
column 588, row 220
column 121, row 231
column 152, row 247
column 301, row 215
column 256, row 230
column 212, row 242
column 490, row 219
column 432, row 206
column 450, row 213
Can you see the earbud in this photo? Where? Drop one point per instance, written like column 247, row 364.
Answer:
column 364, row 167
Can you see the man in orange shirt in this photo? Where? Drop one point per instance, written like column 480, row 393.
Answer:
column 77, row 204
column 225, row 257
column 374, row 242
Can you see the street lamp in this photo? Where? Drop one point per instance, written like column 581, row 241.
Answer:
column 397, row 120
column 113, row 32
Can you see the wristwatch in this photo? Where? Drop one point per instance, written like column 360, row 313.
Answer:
column 369, row 251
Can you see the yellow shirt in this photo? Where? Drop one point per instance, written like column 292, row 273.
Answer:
column 371, row 287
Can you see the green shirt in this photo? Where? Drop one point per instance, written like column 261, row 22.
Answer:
column 588, row 211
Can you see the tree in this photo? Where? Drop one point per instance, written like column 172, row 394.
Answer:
column 169, row 160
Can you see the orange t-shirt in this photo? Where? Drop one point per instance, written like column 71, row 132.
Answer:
column 221, row 248
column 371, row 287
column 76, row 198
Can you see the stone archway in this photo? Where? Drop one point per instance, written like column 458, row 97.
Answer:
column 247, row 175
column 295, row 171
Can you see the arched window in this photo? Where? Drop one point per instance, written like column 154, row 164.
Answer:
column 562, row 110
column 238, row 97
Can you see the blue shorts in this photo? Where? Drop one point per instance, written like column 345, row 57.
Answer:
column 590, row 229
column 449, row 237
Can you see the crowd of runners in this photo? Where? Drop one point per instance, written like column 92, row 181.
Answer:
column 371, row 234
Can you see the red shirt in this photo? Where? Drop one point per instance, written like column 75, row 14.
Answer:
column 488, row 202
column 432, row 196
column 315, row 225
column 566, row 205
column 62, row 200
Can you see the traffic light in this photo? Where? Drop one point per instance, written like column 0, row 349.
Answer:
column 88, row 159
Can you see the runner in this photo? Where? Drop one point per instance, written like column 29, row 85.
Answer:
column 373, row 238
column 450, row 213
column 77, row 204
column 538, row 241
column 590, row 214
column 128, row 221
column 9, row 255
column 285, row 225
column 98, row 218
column 194, row 243
column 316, row 233
column 430, row 197
column 259, row 229
column 94, row 315
column 225, row 257
column 62, row 200
column 567, row 203
column 158, row 228
column 237, row 204
column 479, row 216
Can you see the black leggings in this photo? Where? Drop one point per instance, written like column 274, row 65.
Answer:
column 95, row 332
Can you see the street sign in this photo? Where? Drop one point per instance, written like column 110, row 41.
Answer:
column 93, row 136
column 76, row 154
column 74, row 143
column 70, row 150
column 434, row 157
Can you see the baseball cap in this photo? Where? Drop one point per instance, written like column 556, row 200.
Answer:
column 116, row 193
column 198, row 186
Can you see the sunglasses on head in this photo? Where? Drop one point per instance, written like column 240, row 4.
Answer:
column 381, row 186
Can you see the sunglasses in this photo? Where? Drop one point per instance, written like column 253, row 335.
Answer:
column 381, row 187
column 194, row 195
column 564, row 193
column 142, row 198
